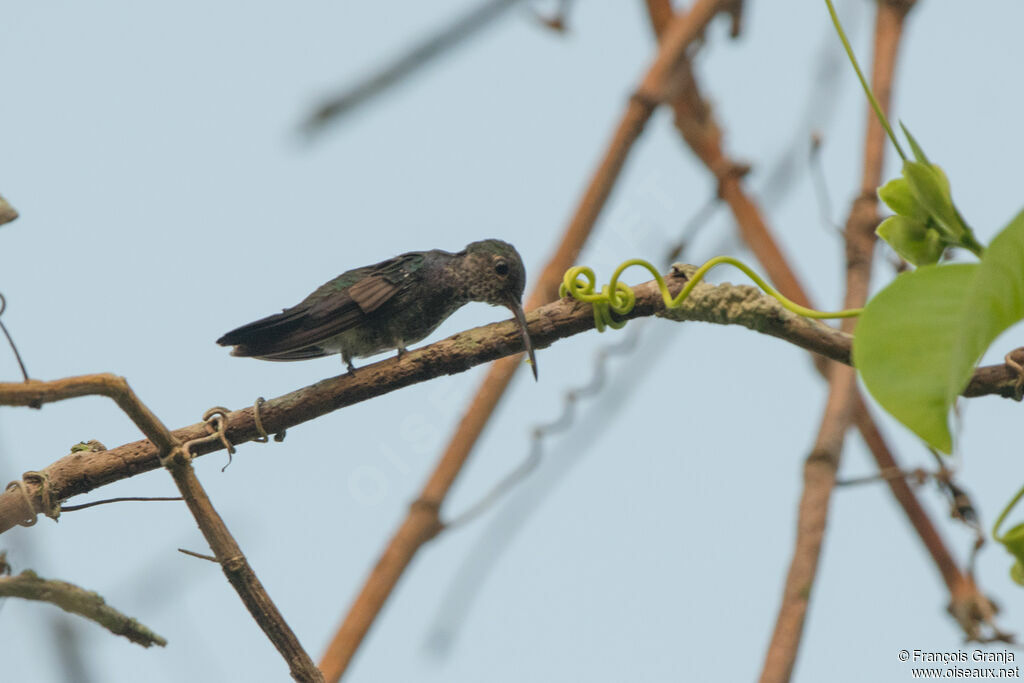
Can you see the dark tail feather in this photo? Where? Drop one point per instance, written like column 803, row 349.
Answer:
column 264, row 335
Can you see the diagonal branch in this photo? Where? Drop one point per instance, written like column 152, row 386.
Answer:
column 71, row 598
column 823, row 461
column 176, row 457
column 702, row 133
column 421, row 522
column 238, row 571
column 968, row 605
column 407, row 64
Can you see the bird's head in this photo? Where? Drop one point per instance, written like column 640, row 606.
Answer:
column 495, row 275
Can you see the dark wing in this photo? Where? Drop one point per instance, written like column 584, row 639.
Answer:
column 337, row 306
column 372, row 292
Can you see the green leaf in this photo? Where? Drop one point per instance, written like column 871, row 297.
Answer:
column 898, row 196
column 912, row 239
column 1017, row 573
column 930, row 187
column 1013, row 541
column 919, row 339
column 904, row 347
column 914, row 147
column 994, row 302
column 931, row 190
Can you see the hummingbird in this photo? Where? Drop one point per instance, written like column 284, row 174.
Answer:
column 383, row 307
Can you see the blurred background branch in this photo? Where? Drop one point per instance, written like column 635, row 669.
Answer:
column 405, row 65
column 7, row 212
column 70, row 598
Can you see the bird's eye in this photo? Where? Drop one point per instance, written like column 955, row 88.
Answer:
column 501, row 268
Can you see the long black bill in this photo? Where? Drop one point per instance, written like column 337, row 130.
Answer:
column 517, row 311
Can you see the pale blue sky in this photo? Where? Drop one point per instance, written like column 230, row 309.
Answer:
column 166, row 197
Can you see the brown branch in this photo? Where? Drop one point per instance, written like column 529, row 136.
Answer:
column 170, row 452
column 699, row 128
column 968, row 605
column 238, row 571
column 660, row 13
column 421, row 522
column 37, row 393
column 71, row 598
column 86, row 470
column 821, row 465
column 702, row 133
column 696, row 123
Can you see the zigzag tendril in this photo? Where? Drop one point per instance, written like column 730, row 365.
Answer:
column 617, row 297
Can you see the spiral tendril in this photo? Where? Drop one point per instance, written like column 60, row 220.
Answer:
column 580, row 283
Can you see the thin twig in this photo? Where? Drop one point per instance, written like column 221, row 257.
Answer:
column 407, row 64
column 821, row 185
column 954, row 578
column 123, row 499
column 626, row 342
column 822, row 101
column 201, row 556
column 10, row 340
column 916, row 475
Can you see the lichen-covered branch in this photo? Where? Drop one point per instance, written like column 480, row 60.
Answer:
column 725, row 304
column 71, row 598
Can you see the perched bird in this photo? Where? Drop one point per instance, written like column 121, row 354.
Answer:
column 386, row 306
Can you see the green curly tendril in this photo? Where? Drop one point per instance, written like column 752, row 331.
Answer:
column 1013, row 539
column 1004, row 513
column 617, row 297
